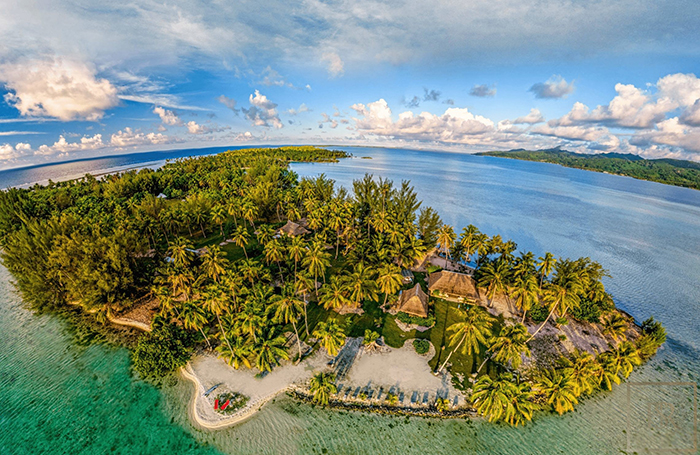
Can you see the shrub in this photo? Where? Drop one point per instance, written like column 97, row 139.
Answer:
column 408, row 319
column 539, row 313
column 161, row 351
column 591, row 311
column 421, row 346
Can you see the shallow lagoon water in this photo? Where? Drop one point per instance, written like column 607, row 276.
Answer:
column 57, row 396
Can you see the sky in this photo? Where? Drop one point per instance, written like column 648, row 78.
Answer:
column 85, row 78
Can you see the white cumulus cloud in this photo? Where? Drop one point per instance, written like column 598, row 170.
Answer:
column 58, row 88
column 555, row 87
column 262, row 111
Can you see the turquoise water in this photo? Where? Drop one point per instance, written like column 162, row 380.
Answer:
column 57, row 396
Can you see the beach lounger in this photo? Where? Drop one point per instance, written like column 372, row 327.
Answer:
column 425, row 398
column 401, row 397
column 414, row 397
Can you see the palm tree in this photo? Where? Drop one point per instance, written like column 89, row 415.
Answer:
column 238, row 354
column 296, row 251
column 215, row 302
column 287, row 309
column 303, row 285
column 559, row 391
column 509, row 346
column 322, row 386
column 623, row 358
column 371, row 340
column 522, row 405
column 605, row 371
column 274, row 252
column 264, row 233
column 470, row 333
column 525, row 293
column 218, row 216
column 331, row 335
column 317, row 261
column 563, row 293
column 267, row 350
column 466, row 241
column 361, row 284
column 615, row 325
column 193, row 318
column 214, row 263
column 240, row 238
column 389, row 280
column 545, row 265
column 181, row 252
column 249, row 211
column 446, row 239
column 250, row 321
column 581, row 369
column 333, row 294
column 494, row 276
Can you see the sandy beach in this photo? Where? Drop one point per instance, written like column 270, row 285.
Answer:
column 401, row 371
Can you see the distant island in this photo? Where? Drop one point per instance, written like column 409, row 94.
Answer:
column 664, row 170
column 252, row 282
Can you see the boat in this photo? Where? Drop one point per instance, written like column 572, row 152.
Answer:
column 206, row 394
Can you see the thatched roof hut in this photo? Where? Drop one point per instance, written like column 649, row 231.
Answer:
column 414, row 302
column 452, row 285
column 292, row 229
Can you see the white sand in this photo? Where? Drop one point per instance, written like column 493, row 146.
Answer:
column 400, row 368
column 208, row 370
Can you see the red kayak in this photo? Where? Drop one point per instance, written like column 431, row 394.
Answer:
column 216, row 404
column 225, row 405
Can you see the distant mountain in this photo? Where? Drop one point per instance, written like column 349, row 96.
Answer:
column 664, row 170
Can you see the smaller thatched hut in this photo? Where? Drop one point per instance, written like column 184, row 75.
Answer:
column 452, row 285
column 292, row 229
column 414, row 302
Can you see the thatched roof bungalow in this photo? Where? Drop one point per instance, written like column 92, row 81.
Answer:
column 452, row 285
column 292, row 229
column 414, row 302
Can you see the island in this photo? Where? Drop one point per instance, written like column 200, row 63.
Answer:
column 252, row 282
column 662, row 170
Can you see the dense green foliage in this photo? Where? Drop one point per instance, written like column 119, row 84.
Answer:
column 415, row 320
column 671, row 172
column 421, row 346
column 163, row 350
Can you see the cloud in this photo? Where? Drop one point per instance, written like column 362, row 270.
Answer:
column 431, row 95
column 19, row 133
column 167, row 117
column 271, row 78
column 262, row 111
column 229, row 103
column 327, row 119
column 334, row 65
column 451, row 102
column 535, row 116
column 555, row 87
column 670, row 132
column 691, row 116
column 63, row 146
column 302, row 108
column 244, row 137
column 9, row 153
column 454, row 126
column 413, row 102
column 483, row 91
column 58, row 88
column 129, row 137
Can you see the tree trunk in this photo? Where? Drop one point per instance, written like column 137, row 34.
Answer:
column 298, row 340
column 205, row 338
column 453, row 351
column 221, row 326
column 523, row 321
column 202, row 228
column 540, row 327
column 306, row 320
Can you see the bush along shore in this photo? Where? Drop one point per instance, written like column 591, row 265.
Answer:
column 235, row 255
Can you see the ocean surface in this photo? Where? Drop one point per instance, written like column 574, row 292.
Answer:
column 58, row 396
